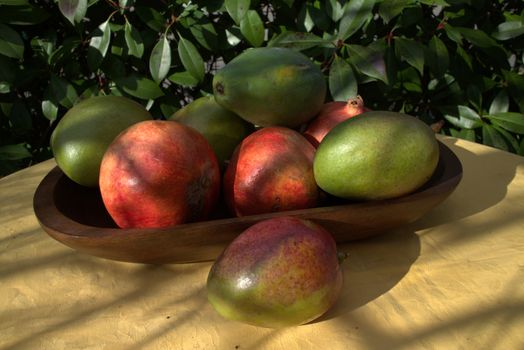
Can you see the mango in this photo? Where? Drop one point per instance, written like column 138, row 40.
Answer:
column 280, row 272
column 271, row 170
column 84, row 133
column 271, row 86
column 376, row 155
column 223, row 129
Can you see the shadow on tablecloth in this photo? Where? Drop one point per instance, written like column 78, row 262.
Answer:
column 485, row 181
column 374, row 266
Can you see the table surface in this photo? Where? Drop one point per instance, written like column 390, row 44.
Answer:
column 452, row 280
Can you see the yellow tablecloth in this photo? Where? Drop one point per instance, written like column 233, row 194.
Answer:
column 452, row 280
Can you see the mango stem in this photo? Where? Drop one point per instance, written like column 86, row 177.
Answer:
column 342, row 256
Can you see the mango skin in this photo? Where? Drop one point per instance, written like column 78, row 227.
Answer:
column 271, row 170
column 223, row 129
column 271, row 86
column 376, row 155
column 278, row 273
column 82, row 136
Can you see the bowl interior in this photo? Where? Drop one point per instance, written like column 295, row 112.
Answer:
column 85, row 206
column 75, row 216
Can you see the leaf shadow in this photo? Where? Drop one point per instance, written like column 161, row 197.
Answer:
column 477, row 327
column 145, row 281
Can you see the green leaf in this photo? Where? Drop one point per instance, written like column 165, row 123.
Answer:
column 521, row 148
column 391, row 65
column 412, row 51
column 49, row 109
column 151, row 17
column 14, row 2
column 356, row 13
column 434, row 3
column 118, row 45
column 98, row 45
column 252, row 28
column 14, row 152
column 139, row 86
column 467, row 118
column 73, row 10
column 453, row 33
column 515, row 84
column 233, row 35
column 335, row 10
column 410, row 80
column 123, row 4
column 467, row 134
column 167, row 105
column 5, row 87
column 342, row 82
column 183, row 78
column 305, row 19
column 26, row 15
column 474, row 96
column 63, row 92
column 44, row 46
column 477, row 37
column 6, row 108
column 510, row 138
column 510, row 121
column 390, row 9
column 468, row 113
column 191, row 59
column 90, row 91
column 500, row 103
column 160, row 60
column 237, row 9
column 368, row 61
column 11, row 44
column 491, row 137
column 206, row 35
column 168, row 110
column 63, row 52
column 190, row 10
column 297, row 40
column 412, row 86
column 135, row 45
column 465, row 57
column 437, row 57
column 508, row 30
column 313, row 15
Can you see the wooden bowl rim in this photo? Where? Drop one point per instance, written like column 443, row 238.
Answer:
column 45, row 207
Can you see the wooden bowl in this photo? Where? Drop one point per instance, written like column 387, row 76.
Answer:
column 75, row 216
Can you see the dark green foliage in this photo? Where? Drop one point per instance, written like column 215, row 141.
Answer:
column 457, row 62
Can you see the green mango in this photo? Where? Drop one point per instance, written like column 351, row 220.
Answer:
column 376, row 155
column 271, row 86
column 223, row 129
column 82, row 136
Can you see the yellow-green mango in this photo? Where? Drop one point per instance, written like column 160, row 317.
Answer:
column 271, row 86
column 376, row 155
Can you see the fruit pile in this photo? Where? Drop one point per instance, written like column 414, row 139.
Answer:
column 265, row 141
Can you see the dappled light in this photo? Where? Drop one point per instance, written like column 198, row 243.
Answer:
column 451, row 279
column 121, row 255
